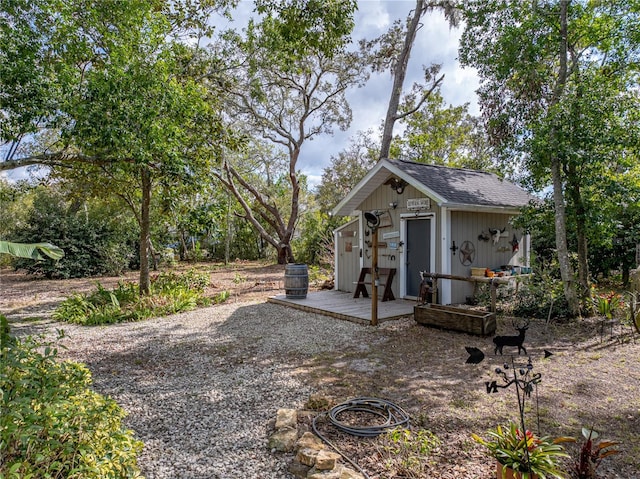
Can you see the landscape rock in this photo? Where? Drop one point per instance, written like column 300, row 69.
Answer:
column 286, row 418
column 311, row 441
column 283, row 440
column 326, row 460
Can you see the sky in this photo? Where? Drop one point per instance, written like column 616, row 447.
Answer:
column 435, row 43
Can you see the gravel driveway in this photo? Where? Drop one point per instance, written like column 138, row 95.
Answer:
column 200, row 387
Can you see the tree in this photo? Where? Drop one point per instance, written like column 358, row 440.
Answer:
column 95, row 236
column 287, row 89
column 392, row 56
column 442, row 135
column 124, row 103
column 538, row 62
column 346, row 170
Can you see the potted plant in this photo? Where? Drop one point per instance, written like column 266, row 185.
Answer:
column 524, row 455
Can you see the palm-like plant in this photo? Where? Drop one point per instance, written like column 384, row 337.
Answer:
column 31, row 250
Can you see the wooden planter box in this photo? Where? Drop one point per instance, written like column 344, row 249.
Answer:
column 457, row 319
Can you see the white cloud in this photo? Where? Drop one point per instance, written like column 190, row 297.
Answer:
column 435, row 42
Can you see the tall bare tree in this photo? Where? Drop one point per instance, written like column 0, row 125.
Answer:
column 396, row 58
column 286, row 100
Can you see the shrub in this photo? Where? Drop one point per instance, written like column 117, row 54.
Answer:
column 96, row 239
column 52, row 424
column 541, row 294
column 170, row 293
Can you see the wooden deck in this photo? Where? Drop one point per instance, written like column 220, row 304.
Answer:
column 341, row 305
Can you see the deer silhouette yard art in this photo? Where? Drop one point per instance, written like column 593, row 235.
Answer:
column 502, row 341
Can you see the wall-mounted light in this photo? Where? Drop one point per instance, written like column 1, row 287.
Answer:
column 373, row 219
column 454, row 248
column 393, row 205
column 396, row 184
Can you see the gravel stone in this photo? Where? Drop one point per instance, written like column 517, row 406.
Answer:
column 201, row 387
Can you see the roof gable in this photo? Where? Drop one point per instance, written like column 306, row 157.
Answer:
column 450, row 187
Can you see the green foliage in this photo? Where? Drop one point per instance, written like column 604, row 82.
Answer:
column 606, row 303
column 293, row 28
column 53, row 425
column 442, row 135
column 541, row 295
column 221, row 297
column 315, row 243
column 405, row 451
column 31, row 250
column 346, row 170
column 95, row 239
column 170, row 293
column 558, row 89
column 525, row 452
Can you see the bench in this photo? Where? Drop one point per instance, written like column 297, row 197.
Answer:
column 387, row 295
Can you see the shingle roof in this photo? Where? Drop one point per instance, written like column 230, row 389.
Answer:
column 459, row 186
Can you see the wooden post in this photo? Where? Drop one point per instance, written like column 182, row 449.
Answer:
column 493, row 286
column 434, row 290
column 374, row 278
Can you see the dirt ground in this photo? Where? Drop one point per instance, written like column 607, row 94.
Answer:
column 592, row 379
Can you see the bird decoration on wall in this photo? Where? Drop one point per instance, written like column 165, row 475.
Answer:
column 515, row 244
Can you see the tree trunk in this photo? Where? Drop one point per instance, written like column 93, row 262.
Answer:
column 285, row 255
column 583, row 258
column 566, row 271
column 145, row 235
column 400, row 71
column 227, row 235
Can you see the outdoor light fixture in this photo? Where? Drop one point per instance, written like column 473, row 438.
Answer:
column 396, row 184
column 372, row 218
column 393, row 204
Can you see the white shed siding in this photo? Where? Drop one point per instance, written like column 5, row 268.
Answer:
column 467, row 226
column 348, row 241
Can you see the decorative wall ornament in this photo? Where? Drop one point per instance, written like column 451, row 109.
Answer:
column 515, row 244
column 484, row 236
column 396, row 184
column 467, row 254
column 496, row 234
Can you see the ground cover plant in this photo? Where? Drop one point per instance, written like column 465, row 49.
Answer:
column 171, row 293
column 52, row 424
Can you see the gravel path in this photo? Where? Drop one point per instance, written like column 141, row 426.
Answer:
column 200, row 387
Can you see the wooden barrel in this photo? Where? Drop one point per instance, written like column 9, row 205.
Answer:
column 296, row 281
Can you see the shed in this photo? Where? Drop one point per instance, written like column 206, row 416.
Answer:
column 451, row 221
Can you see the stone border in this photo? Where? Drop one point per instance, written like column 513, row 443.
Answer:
column 312, row 458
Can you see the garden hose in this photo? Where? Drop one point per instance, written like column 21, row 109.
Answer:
column 392, row 415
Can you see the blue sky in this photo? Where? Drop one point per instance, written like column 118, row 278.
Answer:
column 435, row 43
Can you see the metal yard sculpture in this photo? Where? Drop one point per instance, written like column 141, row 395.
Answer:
column 502, row 341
